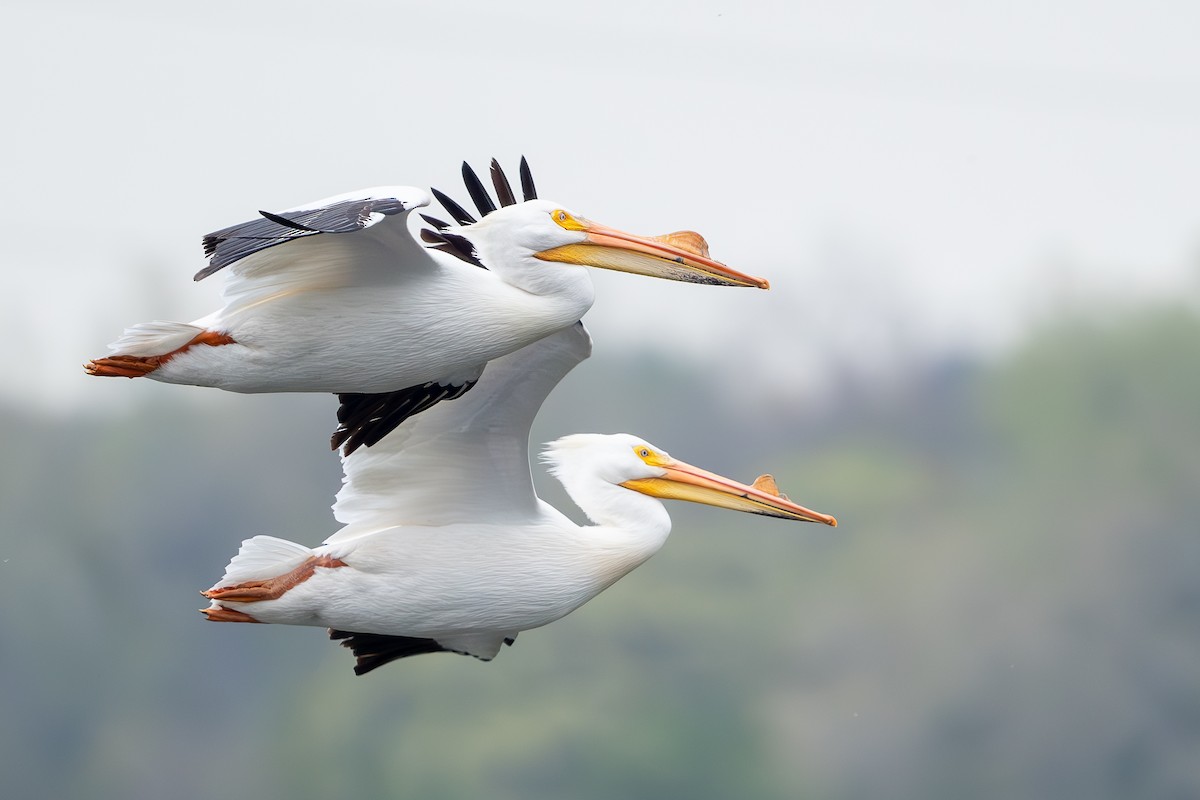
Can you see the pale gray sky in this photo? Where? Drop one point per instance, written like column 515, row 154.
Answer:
column 910, row 176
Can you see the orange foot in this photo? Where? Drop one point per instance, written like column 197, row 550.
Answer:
column 219, row 614
column 272, row 588
column 137, row 366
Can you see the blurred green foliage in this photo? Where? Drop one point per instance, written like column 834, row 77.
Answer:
column 1009, row 608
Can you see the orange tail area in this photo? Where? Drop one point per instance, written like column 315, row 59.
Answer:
column 137, row 366
column 271, row 588
column 123, row 366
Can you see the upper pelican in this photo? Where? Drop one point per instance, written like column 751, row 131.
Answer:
column 338, row 296
column 445, row 545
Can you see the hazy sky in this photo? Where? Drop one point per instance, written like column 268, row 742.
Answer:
column 915, row 175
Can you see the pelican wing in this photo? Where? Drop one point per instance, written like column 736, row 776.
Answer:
column 464, row 460
column 354, row 239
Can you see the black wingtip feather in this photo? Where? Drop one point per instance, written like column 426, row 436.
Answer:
column 435, row 222
column 528, row 190
column 373, row 650
column 458, row 246
column 504, row 192
column 460, row 214
column 285, row 222
column 364, row 419
column 475, row 188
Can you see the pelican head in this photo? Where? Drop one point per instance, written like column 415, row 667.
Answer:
column 581, row 461
column 547, row 231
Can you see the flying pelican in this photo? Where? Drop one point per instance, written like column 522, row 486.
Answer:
column 337, row 295
column 445, row 545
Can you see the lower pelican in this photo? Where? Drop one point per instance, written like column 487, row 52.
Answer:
column 445, row 545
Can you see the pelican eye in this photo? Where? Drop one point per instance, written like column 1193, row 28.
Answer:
column 651, row 456
column 566, row 220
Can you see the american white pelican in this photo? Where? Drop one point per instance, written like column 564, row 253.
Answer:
column 445, row 545
column 338, row 296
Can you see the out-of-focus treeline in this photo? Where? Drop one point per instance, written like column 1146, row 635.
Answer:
column 1010, row 606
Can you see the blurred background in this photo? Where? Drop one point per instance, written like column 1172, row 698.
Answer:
column 981, row 352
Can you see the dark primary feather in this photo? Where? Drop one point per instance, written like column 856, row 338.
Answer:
column 527, row 188
column 373, row 650
column 478, row 193
column 460, row 214
column 440, row 224
column 364, row 419
column 504, row 192
column 229, row 245
column 287, row 223
column 457, row 246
